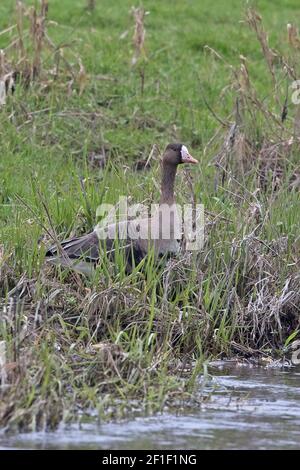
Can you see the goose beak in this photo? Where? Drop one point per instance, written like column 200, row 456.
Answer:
column 189, row 159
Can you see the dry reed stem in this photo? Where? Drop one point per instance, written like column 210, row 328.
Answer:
column 139, row 33
column 255, row 22
column 20, row 15
column 38, row 25
column 91, row 5
column 293, row 36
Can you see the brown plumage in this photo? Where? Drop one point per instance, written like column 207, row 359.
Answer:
column 83, row 253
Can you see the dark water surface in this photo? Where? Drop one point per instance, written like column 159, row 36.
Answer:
column 250, row 408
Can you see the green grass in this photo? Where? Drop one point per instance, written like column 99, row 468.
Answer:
column 118, row 344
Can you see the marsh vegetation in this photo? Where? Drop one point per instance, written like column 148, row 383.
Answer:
column 86, row 98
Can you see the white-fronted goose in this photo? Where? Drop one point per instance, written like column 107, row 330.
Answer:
column 161, row 231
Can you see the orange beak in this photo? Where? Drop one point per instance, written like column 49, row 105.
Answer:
column 189, row 159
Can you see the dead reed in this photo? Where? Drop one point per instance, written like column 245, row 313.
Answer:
column 246, row 150
column 139, row 34
column 32, row 58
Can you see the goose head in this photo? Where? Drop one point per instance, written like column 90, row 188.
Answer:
column 176, row 154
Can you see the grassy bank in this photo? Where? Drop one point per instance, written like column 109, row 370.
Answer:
column 71, row 135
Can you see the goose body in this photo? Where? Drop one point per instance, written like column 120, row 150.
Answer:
column 161, row 231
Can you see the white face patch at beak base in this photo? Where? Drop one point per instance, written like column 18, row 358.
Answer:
column 184, row 152
column 186, row 157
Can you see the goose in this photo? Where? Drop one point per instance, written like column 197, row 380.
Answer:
column 162, row 230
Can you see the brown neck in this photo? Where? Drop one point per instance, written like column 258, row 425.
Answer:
column 167, row 183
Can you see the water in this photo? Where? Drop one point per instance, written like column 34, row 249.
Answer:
column 250, row 408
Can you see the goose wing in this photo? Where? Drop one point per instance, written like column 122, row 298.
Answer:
column 85, row 247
